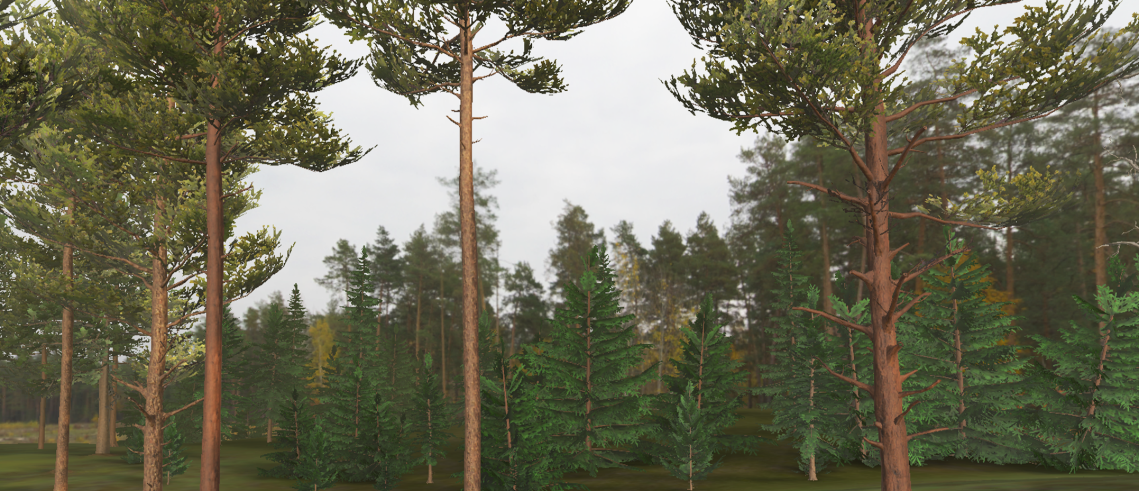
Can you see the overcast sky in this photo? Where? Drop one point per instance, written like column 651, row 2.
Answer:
column 616, row 143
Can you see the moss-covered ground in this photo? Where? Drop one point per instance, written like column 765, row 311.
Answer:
column 23, row 468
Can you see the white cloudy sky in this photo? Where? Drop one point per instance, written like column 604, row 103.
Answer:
column 616, row 143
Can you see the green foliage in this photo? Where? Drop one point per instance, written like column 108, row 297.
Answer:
column 1088, row 418
column 173, row 461
column 689, row 441
column 1005, row 201
column 807, row 400
column 592, row 403
column 706, row 362
column 315, row 468
column 982, row 409
column 429, row 421
column 388, row 438
column 134, row 440
column 515, row 452
column 290, row 437
column 278, row 367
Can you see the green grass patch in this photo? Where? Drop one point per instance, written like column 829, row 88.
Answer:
column 23, row 468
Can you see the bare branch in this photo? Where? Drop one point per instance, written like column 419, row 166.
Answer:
column 872, row 442
column 183, row 408
column 926, row 432
column 860, row 385
column 894, row 214
column 906, row 376
column 978, row 130
column 898, row 164
column 904, row 413
column 916, row 392
column 860, row 202
column 857, row 327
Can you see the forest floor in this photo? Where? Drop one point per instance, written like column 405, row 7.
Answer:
column 23, row 468
column 27, row 433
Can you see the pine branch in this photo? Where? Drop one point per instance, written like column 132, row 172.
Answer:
column 858, row 327
column 183, row 408
column 926, row 432
column 916, row 392
column 868, row 388
column 894, row 214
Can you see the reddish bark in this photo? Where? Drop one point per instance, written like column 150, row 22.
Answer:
column 104, row 432
column 473, row 445
column 211, row 419
column 67, row 325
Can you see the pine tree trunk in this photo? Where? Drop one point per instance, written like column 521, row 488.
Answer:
column 215, row 276
column 155, row 416
column 1100, row 253
column 442, row 335
column 67, row 324
column 857, row 400
column 826, row 280
column 892, row 436
column 269, row 431
column 103, row 435
column 957, row 353
column 811, row 475
column 114, row 409
column 418, row 311
column 473, row 443
column 43, row 400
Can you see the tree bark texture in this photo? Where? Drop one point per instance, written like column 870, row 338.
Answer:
column 211, row 418
column 103, row 433
column 67, row 325
column 473, row 438
column 1100, row 253
column 155, row 415
column 43, row 400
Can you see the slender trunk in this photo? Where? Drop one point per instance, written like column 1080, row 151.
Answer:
column 588, row 328
column 1080, row 265
column 114, row 410
column 473, row 442
column 960, row 377
column 269, row 430
column 418, row 311
column 826, row 280
column 429, row 476
column 862, row 263
column 43, row 400
column 155, row 416
column 211, row 408
column 857, row 399
column 442, row 336
column 103, row 436
column 1100, row 253
column 751, row 386
column 811, row 475
column 67, row 325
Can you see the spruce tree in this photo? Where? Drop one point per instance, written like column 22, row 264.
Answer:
column 705, row 362
column 235, row 370
column 1087, row 407
column 963, row 331
column 173, row 461
column 806, row 400
column 591, row 402
column 279, row 365
column 689, row 440
column 316, row 468
column 387, row 438
column 351, row 387
column 515, row 453
column 295, row 421
column 429, row 421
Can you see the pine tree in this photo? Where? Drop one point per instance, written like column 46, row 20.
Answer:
column 1087, row 405
column 316, row 468
column 295, row 422
column 757, row 53
column 592, row 404
column 964, row 332
column 429, row 421
column 689, row 440
column 173, row 461
column 806, row 400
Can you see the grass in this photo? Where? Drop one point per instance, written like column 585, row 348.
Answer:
column 23, row 468
column 27, row 432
